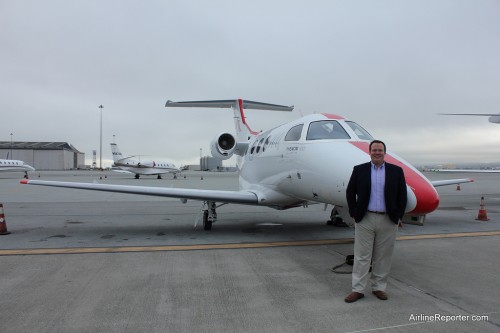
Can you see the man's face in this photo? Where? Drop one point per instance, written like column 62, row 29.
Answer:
column 377, row 154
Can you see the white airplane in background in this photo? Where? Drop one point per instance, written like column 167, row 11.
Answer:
column 309, row 160
column 138, row 167
column 15, row 165
column 467, row 170
column 493, row 117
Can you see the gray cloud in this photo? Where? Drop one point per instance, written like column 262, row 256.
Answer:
column 389, row 65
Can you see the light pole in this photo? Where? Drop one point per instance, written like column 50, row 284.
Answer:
column 100, row 140
column 11, row 145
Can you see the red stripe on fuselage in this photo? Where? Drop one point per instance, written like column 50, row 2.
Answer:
column 332, row 116
column 427, row 197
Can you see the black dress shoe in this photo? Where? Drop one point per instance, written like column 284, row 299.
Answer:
column 353, row 297
column 380, row 294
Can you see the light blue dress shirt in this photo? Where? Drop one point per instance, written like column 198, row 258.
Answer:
column 377, row 200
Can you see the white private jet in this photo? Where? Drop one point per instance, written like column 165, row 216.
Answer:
column 305, row 161
column 493, row 117
column 15, row 165
column 138, row 167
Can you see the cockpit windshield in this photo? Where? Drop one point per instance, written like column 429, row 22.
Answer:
column 326, row 130
column 360, row 131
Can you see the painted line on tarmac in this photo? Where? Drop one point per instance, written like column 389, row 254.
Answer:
column 453, row 235
column 121, row 249
column 231, row 246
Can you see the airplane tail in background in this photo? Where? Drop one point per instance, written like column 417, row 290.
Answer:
column 243, row 131
column 117, row 155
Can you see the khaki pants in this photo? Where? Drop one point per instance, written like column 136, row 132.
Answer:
column 374, row 240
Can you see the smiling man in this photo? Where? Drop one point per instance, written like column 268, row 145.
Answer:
column 376, row 196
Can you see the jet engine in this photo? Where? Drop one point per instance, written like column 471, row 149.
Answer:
column 223, row 146
column 148, row 164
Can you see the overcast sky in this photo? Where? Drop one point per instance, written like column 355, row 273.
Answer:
column 391, row 66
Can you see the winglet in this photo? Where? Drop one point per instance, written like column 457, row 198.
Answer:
column 24, row 181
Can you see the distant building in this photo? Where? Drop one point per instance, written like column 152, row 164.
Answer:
column 44, row 155
column 209, row 163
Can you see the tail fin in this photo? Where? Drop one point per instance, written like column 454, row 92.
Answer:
column 117, row 155
column 243, row 131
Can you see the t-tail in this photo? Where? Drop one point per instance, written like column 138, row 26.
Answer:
column 243, row 130
column 117, row 155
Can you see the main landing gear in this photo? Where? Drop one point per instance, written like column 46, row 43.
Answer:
column 209, row 214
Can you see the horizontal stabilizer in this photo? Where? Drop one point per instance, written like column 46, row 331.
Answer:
column 230, row 103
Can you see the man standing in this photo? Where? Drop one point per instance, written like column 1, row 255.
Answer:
column 376, row 196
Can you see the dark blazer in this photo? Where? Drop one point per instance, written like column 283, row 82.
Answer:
column 359, row 187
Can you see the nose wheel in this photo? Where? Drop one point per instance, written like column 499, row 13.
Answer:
column 336, row 220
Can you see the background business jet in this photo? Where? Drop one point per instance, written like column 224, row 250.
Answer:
column 16, row 166
column 492, row 118
column 305, row 161
column 141, row 167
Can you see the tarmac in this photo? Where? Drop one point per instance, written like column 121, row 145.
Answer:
column 85, row 261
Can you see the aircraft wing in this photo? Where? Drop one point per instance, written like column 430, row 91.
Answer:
column 468, row 170
column 437, row 183
column 238, row 197
column 470, row 114
column 121, row 171
column 156, row 171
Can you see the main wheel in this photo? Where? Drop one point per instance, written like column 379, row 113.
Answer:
column 207, row 224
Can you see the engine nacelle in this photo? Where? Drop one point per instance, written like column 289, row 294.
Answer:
column 223, row 146
column 148, row 164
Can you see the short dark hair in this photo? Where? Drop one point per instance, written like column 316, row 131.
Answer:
column 377, row 141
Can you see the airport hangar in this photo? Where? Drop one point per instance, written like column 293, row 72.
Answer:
column 44, row 155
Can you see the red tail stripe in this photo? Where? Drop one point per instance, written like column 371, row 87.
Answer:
column 243, row 120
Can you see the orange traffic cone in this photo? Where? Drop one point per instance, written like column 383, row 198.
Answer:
column 3, row 225
column 481, row 216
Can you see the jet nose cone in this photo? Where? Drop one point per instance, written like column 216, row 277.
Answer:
column 427, row 198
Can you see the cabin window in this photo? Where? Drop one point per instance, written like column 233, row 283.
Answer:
column 253, row 146
column 260, row 144
column 294, row 133
column 326, row 130
column 266, row 143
